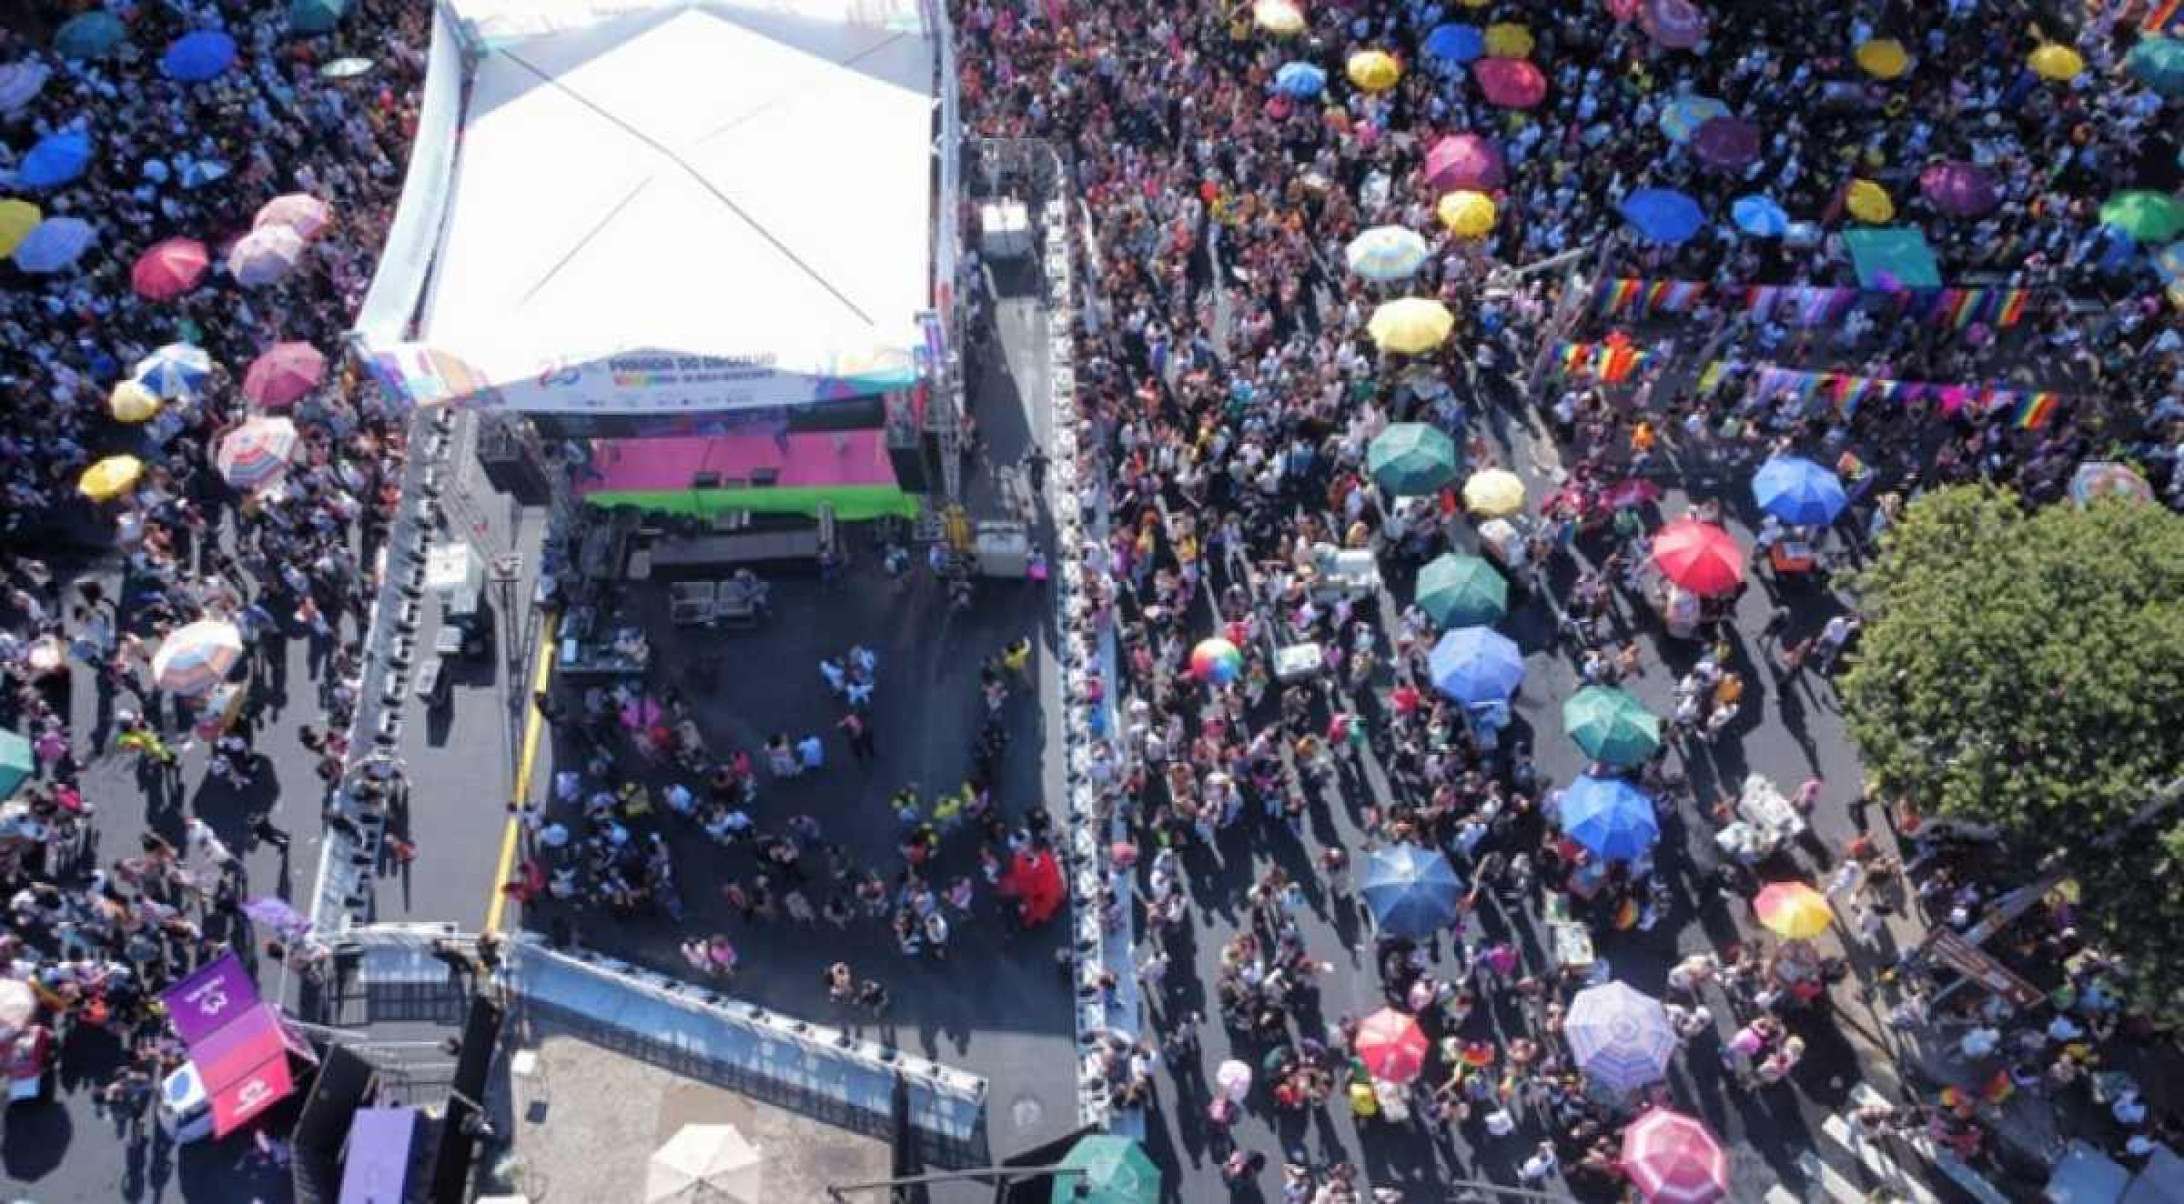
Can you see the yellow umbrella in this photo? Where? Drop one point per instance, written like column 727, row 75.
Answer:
column 110, row 477
column 1374, row 70
column 1793, row 910
column 1410, row 325
column 1508, row 41
column 1278, row 17
column 1467, row 214
column 1494, row 492
column 1868, row 202
column 132, row 402
column 17, row 219
column 1883, row 58
column 1474, row 3
column 2057, row 62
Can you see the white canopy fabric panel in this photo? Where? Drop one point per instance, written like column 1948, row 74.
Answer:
column 692, row 206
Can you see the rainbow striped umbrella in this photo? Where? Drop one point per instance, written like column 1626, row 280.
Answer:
column 256, row 453
column 198, row 657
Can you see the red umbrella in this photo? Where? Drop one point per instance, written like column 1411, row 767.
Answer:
column 1676, row 24
column 169, row 269
column 1392, row 1046
column 1726, row 142
column 1700, row 557
column 1465, row 161
column 1959, row 189
column 1631, row 491
column 1510, row 83
column 282, row 375
column 1674, row 1160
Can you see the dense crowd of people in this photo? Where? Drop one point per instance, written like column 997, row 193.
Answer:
column 1233, row 392
column 237, row 571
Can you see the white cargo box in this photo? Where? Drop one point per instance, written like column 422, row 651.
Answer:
column 1004, row 230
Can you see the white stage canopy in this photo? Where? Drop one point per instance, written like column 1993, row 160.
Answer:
column 694, row 206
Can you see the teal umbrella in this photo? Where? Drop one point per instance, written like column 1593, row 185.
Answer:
column 1611, row 725
column 2159, row 64
column 1116, row 1171
column 1462, row 591
column 315, row 16
column 89, row 35
column 1411, row 459
column 16, row 762
column 2147, row 216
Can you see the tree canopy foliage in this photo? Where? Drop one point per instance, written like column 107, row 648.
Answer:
column 2026, row 669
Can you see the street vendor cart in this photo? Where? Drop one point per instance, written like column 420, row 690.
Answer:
column 1766, row 820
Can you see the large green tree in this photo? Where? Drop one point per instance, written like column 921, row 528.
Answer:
column 2026, row 669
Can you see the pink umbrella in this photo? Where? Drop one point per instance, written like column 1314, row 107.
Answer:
column 282, row 375
column 1510, row 83
column 265, row 255
column 1674, row 1160
column 169, row 269
column 1726, row 142
column 1959, row 189
column 307, row 215
column 1465, row 161
column 1676, row 24
column 640, row 713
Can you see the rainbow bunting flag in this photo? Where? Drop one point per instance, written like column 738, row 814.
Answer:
column 1711, row 377
column 1655, row 293
column 2037, row 410
column 1575, row 358
column 2013, row 307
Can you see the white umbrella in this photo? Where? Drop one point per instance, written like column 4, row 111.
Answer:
column 265, row 255
column 1386, row 253
column 706, row 1162
column 18, row 1007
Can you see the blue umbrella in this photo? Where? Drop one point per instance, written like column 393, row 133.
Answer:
column 1759, row 216
column 89, row 35
column 1455, row 43
column 175, row 371
column 1412, row 892
column 53, row 244
column 55, row 160
column 1475, row 665
column 1610, row 817
column 1798, row 491
column 198, row 56
column 1300, row 80
column 1662, row 215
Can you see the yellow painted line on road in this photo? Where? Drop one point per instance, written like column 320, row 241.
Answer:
column 533, row 723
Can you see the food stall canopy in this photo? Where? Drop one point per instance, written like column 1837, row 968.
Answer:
column 689, row 207
column 376, row 1168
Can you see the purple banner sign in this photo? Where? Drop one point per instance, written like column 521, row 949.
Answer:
column 217, row 993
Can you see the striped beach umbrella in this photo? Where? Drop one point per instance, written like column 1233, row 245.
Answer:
column 1620, row 1038
column 198, row 657
column 256, row 453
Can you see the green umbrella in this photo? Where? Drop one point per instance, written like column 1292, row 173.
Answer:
column 1411, row 459
column 2159, row 64
column 1116, row 1171
column 16, row 764
column 2149, row 217
column 315, row 16
column 89, row 35
column 1610, row 725
column 1462, row 591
